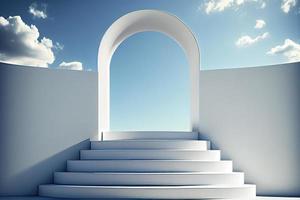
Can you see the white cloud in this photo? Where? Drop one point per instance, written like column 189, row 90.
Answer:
column 75, row 65
column 58, row 46
column 20, row 44
column 211, row 6
column 246, row 40
column 290, row 49
column 259, row 24
column 38, row 13
column 219, row 5
column 286, row 5
column 263, row 5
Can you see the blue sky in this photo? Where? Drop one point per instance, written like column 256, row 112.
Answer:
column 149, row 77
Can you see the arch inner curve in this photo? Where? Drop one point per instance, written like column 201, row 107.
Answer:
column 142, row 21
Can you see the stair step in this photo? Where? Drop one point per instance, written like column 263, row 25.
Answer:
column 146, row 135
column 148, row 166
column 79, row 178
column 156, row 154
column 151, row 144
column 149, row 192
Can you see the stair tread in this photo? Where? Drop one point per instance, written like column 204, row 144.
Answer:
column 150, row 192
column 135, row 131
column 151, row 154
column 151, row 144
column 155, row 173
column 147, row 150
column 139, row 160
column 149, row 140
column 150, row 187
column 140, row 135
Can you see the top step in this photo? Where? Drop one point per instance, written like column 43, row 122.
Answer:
column 149, row 135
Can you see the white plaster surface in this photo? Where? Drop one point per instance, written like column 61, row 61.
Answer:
column 45, row 198
column 140, row 21
column 251, row 114
column 46, row 117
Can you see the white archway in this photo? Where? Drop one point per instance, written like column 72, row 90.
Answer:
column 141, row 21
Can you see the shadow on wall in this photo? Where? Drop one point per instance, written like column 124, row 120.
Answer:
column 28, row 180
column 253, row 116
column 46, row 117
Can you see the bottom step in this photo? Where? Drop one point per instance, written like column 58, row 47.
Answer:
column 149, row 192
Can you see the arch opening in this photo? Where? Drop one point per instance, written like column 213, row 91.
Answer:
column 141, row 21
column 149, row 85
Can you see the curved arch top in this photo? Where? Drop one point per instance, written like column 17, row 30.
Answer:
column 141, row 21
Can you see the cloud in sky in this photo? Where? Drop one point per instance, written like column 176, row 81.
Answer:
column 286, row 5
column 20, row 44
column 263, row 4
column 259, row 24
column 289, row 49
column 75, row 65
column 246, row 40
column 36, row 12
column 211, row 6
column 58, row 46
column 214, row 6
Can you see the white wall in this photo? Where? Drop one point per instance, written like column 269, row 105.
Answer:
column 46, row 117
column 253, row 116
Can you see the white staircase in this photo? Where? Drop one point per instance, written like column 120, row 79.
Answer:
column 149, row 165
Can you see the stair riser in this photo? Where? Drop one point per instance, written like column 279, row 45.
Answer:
column 69, row 178
column 150, row 135
column 148, row 166
column 130, row 144
column 148, row 193
column 149, row 155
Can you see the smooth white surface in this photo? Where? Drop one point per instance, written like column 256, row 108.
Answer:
column 141, row 21
column 148, row 166
column 137, row 176
column 48, row 198
column 151, row 144
column 150, row 154
column 253, row 116
column 164, row 179
column 149, row 135
column 262, row 102
column 46, row 117
column 150, row 192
